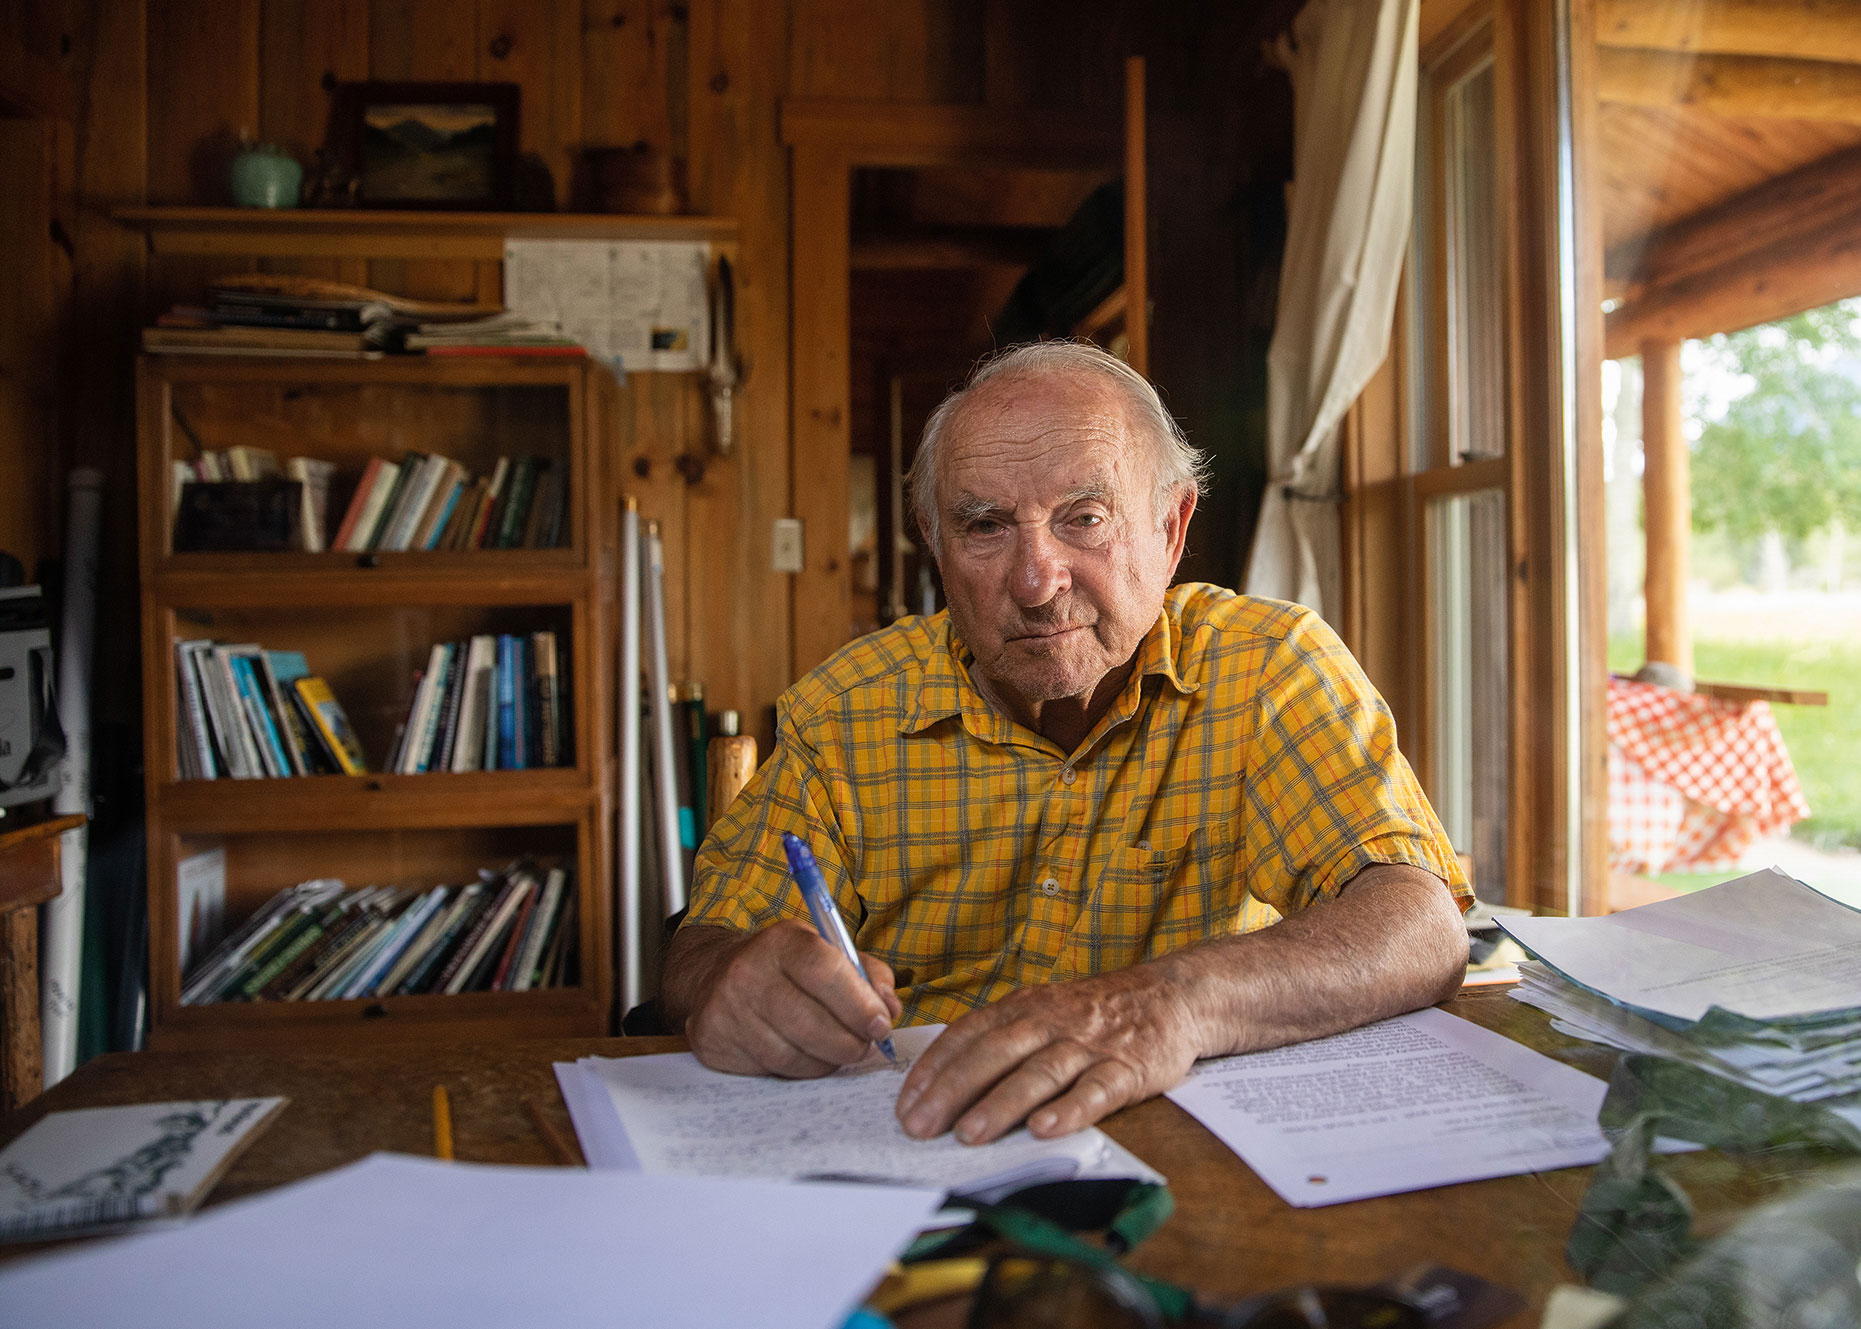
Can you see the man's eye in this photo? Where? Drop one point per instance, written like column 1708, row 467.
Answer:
column 984, row 527
column 1087, row 520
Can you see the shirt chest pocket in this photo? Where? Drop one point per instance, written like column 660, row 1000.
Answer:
column 1149, row 900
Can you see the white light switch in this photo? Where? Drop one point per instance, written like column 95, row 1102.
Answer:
column 785, row 552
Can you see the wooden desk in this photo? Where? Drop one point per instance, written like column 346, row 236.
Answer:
column 1230, row 1235
column 28, row 876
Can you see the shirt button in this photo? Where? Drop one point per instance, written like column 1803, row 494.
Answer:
column 1069, row 775
column 1049, row 887
column 1144, row 845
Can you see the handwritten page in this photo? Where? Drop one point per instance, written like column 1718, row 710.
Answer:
column 1426, row 1099
column 677, row 1116
column 392, row 1242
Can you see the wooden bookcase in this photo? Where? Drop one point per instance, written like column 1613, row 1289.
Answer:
column 366, row 622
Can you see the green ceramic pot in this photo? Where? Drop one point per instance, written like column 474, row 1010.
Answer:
column 265, row 177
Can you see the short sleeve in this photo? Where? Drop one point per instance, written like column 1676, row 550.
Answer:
column 740, row 879
column 1328, row 793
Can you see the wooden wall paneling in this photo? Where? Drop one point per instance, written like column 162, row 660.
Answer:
column 203, row 96
column 1061, row 53
column 108, row 165
column 822, row 405
column 649, row 435
column 634, row 56
column 425, row 40
column 306, row 47
column 537, row 44
column 909, row 50
column 743, row 641
column 28, row 408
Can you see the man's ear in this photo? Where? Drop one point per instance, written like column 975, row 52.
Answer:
column 1176, row 526
column 924, row 536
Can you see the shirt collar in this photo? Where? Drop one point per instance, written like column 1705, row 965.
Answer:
column 946, row 688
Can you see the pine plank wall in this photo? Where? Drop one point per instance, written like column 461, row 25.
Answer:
column 160, row 90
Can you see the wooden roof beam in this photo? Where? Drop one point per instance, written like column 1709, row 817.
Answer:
column 1788, row 245
column 1824, row 194
column 1731, row 85
column 1799, row 29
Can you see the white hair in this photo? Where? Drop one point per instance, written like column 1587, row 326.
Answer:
column 1179, row 466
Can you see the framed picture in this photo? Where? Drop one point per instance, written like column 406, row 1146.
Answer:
column 427, row 145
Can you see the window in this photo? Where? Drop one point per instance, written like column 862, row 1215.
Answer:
column 1458, row 457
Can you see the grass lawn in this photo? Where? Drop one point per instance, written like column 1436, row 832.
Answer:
column 1824, row 741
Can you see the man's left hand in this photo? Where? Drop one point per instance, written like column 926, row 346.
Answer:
column 1067, row 1053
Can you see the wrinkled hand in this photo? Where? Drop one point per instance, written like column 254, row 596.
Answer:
column 1069, row 1053
column 788, row 1003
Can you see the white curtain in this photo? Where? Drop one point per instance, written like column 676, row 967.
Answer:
column 1353, row 70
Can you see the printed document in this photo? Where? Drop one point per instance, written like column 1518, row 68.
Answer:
column 1765, row 946
column 669, row 1113
column 1426, row 1099
column 392, row 1242
column 636, row 304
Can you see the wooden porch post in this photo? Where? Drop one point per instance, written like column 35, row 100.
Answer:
column 1667, row 505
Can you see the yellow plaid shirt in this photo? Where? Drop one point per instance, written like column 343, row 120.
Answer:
column 1247, row 769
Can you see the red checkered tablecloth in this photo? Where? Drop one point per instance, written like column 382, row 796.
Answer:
column 1693, row 781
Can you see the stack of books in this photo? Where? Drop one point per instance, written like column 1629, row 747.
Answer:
column 426, row 501
column 508, row 931
column 247, row 713
column 248, row 465
column 243, row 321
column 490, row 703
column 508, row 333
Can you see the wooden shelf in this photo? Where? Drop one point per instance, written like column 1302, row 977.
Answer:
column 529, row 577
column 361, row 233
column 550, row 796
column 367, row 622
column 477, row 1016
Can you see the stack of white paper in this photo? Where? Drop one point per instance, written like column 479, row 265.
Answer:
column 669, row 1113
column 1757, row 980
column 393, row 1241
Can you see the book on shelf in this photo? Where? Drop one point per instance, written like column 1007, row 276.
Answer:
column 316, row 476
column 506, row 931
column 331, row 722
column 431, row 502
column 495, row 703
column 371, row 492
column 247, row 713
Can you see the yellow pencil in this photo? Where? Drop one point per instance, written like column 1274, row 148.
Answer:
column 442, row 1123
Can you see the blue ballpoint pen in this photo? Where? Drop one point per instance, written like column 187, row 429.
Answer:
column 827, row 920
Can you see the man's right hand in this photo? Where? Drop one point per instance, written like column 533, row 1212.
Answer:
column 776, row 1002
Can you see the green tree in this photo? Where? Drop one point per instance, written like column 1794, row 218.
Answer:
column 1786, row 456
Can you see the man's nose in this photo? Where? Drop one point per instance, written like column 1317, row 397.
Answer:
column 1041, row 571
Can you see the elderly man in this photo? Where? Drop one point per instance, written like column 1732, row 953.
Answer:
column 1061, row 816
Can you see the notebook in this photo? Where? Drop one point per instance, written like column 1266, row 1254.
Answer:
column 98, row 1168
column 667, row 1113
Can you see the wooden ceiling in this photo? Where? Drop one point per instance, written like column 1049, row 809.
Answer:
column 1660, row 164
column 1728, row 131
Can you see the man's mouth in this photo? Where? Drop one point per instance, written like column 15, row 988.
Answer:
column 1047, row 634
